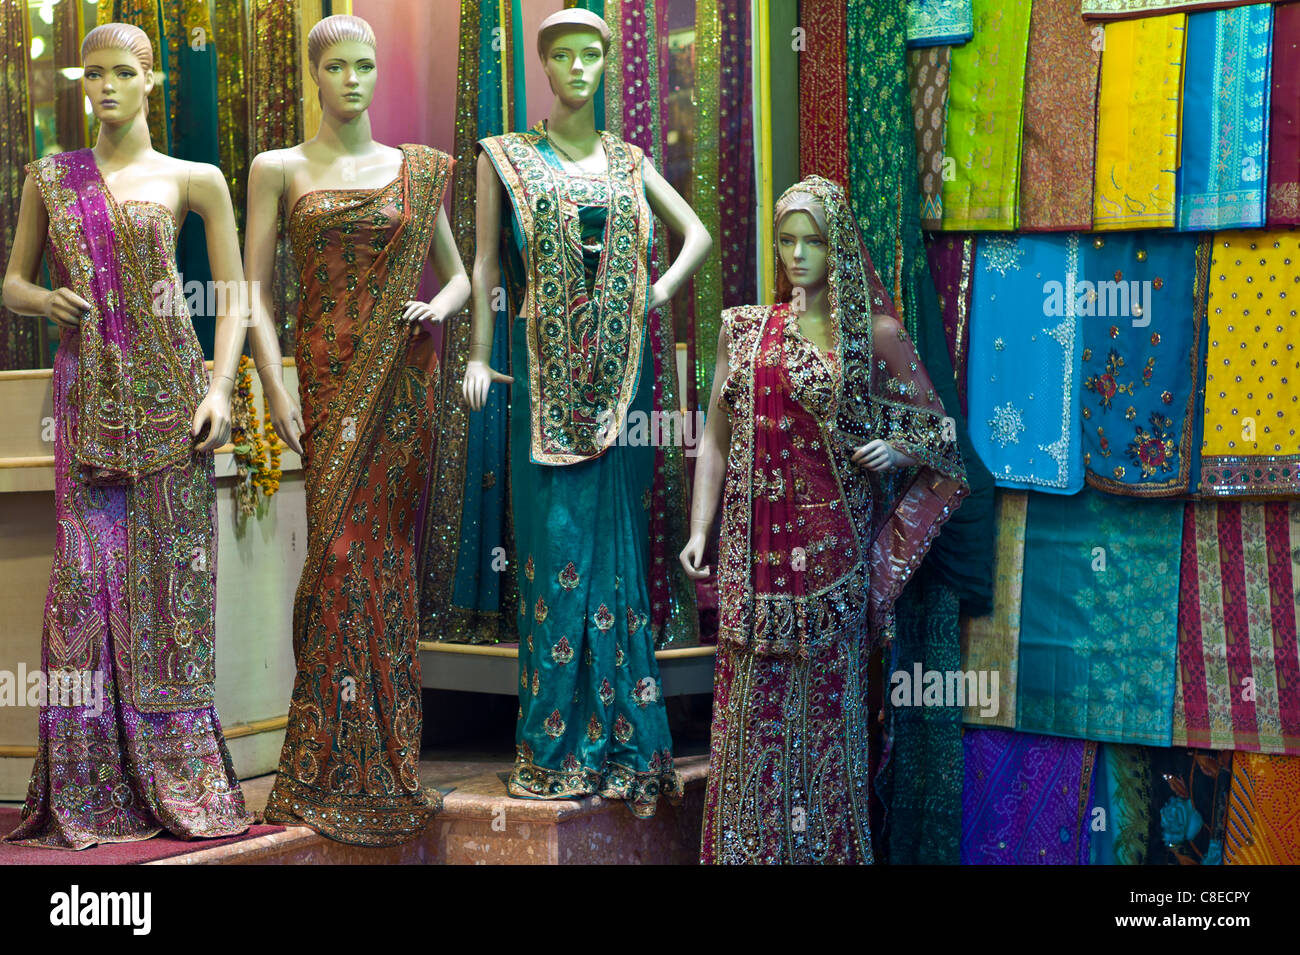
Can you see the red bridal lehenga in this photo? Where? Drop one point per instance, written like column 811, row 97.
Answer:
column 814, row 550
column 350, row 764
column 130, row 744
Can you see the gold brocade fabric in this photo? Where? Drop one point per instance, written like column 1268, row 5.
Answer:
column 1252, row 383
column 1138, row 123
column 19, row 334
column 990, row 643
column 1060, row 119
column 275, row 122
column 231, row 37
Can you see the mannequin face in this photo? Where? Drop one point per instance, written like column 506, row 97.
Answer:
column 574, row 65
column 803, row 251
column 346, row 77
column 116, row 84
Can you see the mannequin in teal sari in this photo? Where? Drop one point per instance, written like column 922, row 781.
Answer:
column 575, row 237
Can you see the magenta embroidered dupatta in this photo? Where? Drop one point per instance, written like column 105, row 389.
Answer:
column 139, row 379
column 807, row 568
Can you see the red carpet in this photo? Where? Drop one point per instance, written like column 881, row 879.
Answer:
column 161, row 846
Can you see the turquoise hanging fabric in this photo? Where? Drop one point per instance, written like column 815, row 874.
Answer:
column 1221, row 181
column 191, row 58
column 468, row 529
column 1122, row 791
column 939, row 22
column 1099, row 618
column 1141, row 308
column 1024, row 357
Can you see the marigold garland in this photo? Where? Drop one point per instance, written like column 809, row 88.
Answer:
column 257, row 456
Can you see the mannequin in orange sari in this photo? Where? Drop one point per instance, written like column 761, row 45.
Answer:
column 363, row 219
column 839, row 471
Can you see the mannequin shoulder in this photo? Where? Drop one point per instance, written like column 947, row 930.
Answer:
column 284, row 162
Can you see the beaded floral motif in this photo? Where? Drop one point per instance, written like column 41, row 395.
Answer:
column 584, row 351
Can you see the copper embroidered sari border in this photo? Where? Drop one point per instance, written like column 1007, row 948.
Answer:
column 1247, row 476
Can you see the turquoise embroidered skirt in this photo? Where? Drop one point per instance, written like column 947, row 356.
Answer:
column 592, row 718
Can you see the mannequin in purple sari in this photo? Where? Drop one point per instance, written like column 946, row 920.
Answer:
column 130, row 743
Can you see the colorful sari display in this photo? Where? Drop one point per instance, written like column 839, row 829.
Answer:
column 938, row 22
column 1024, row 360
column 1189, row 792
column 1026, row 799
column 1138, row 122
column 1225, row 119
column 804, row 601
column 1238, row 656
column 350, row 764
column 1263, row 811
column 986, row 93
column 592, row 717
column 1141, row 306
column 130, row 743
column 991, row 643
column 1284, row 120
column 1060, row 124
column 1252, row 379
column 1097, row 630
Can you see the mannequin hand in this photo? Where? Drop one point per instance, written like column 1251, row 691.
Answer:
column 417, row 312
column 880, row 455
column 692, row 554
column 286, row 418
column 479, row 378
column 66, row 308
column 658, row 297
column 213, row 416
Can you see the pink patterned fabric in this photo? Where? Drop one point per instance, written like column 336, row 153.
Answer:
column 1238, row 681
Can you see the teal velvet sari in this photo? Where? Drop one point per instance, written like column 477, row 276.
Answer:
column 592, row 717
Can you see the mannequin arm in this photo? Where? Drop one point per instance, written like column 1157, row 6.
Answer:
column 454, row 291
column 265, row 187
column 710, row 468
column 210, row 198
column 681, row 219
column 21, row 293
column 479, row 376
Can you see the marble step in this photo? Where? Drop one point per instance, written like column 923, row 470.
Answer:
column 480, row 824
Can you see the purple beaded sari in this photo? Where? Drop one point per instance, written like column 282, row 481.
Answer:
column 130, row 743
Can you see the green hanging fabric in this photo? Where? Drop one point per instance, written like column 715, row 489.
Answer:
column 925, row 760
column 922, row 770
column 885, row 189
column 191, row 55
column 20, row 335
column 464, row 587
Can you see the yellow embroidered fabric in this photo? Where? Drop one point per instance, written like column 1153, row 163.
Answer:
column 1252, row 379
column 1138, row 123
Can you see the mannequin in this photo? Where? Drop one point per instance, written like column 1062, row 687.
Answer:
column 818, row 402
column 131, row 604
column 363, row 218
column 576, row 206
